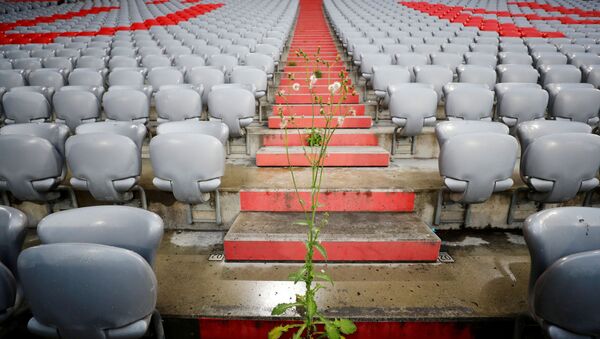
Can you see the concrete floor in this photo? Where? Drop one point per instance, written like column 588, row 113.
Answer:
column 487, row 280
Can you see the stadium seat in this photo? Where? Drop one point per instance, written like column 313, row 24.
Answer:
column 25, row 106
column 520, row 102
column 213, row 128
column 13, row 228
column 517, row 73
column 234, row 107
column 174, row 103
column 126, row 104
column 74, row 107
column 474, row 74
column 468, row 101
column 437, row 76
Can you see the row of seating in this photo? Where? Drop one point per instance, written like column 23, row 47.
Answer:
column 113, row 295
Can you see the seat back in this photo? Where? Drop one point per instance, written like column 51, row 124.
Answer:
column 469, row 103
column 173, row 104
column 115, row 289
column 126, row 227
column 577, row 104
column 411, row 106
column 214, row 128
column 251, row 76
column 35, row 168
column 475, row 165
column 234, row 106
column 56, row 134
column 13, row 229
column 477, row 75
column 126, row 104
column 76, row 107
column 108, row 165
column 25, row 106
column 520, row 104
column 133, row 77
column 46, row 78
column 383, row 76
column 8, row 292
column 438, row 76
column 517, row 73
column 134, row 131
column 207, row 77
column 558, row 166
column 11, row 78
column 170, row 153
column 528, row 131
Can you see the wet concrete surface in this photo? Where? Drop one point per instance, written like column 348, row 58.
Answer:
column 487, row 280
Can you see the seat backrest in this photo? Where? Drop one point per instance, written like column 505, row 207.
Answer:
column 161, row 76
column 477, row 75
column 25, row 106
column 556, row 233
column 435, row 75
column 108, row 165
column 176, row 103
column 577, row 104
column 517, row 73
column 223, row 60
column 126, row 104
column 126, row 77
column 448, row 129
column 383, row 76
column 153, row 60
column 369, row 60
column 13, row 229
column 413, row 104
column 558, row 166
column 207, row 77
column 135, row 229
column 469, row 103
column 75, row 107
column 86, row 77
column 559, row 73
column 570, row 281
column 122, row 61
column 58, row 63
column 262, row 61
column 230, row 105
column 189, row 61
column 528, row 131
column 171, row 152
column 8, row 292
column 475, row 165
column 520, row 104
column 56, row 134
column 11, row 78
column 93, row 62
column 46, row 78
column 35, row 167
column 134, row 131
column 214, row 128
column 251, row 76
column 115, row 289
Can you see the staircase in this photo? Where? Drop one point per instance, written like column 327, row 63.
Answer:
column 353, row 144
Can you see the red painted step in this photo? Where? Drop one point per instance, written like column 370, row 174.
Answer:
column 339, row 138
column 337, row 156
column 293, row 98
column 303, row 80
column 309, row 110
column 347, row 237
column 321, row 122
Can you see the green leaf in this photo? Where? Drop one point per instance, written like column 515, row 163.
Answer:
column 281, row 308
column 332, row 331
column 304, row 223
column 325, row 277
column 298, row 333
column 346, row 326
column 311, row 308
column 321, row 249
column 277, row 332
column 298, row 275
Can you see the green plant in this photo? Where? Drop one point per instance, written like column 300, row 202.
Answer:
column 314, row 138
column 292, row 63
column 314, row 322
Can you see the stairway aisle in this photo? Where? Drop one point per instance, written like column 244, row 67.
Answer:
column 353, row 144
column 366, row 224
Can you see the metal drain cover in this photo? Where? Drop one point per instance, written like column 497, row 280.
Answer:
column 445, row 258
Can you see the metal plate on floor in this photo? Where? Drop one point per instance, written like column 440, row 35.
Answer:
column 445, row 258
column 216, row 256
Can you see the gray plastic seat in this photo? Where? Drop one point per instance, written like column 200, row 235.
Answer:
column 477, row 75
column 481, row 59
column 207, row 77
column 563, row 245
column 437, row 76
column 130, row 228
column 557, row 166
column 5, row 64
column 253, row 76
column 171, row 152
column 25, row 106
column 233, row 106
column 214, row 128
column 175, row 103
column 13, row 224
column 517, row 73
column 188, row 62
column 152, row 61
column 112, row 296
column 107, row 165
column 28, row 64
column 126, row 104
column 44, row 77
column 227, row 62
column 122, row 61
column 559, row 73
column 134, row 131
column 476, row 159
column 384, row 76
column 35, row 170
column 76, row 107
column 133, row 77
column 549, row 58
column 517, row 104
column 592, row 74
column 515, row 58
column 55, row 133
column 86, row 77
column 62, row 63
column 123, row 51
column 262, row 61
column 584, row 59
column 413, row 106
column 450, row 60
column 93, row 62
column 577, row 104
column 468, row 102
column 161, row 76
column 11, row 78
column 370, row 60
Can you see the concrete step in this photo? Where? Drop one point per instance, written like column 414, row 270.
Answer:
column 320, row 122
column 337, row 156
column 340, row 137
column 330, row 200
column 347, row 237
column 309, row 110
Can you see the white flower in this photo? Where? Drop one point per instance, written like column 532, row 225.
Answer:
column 284, row 123
column 313, row 81
column 340, row 121
column 296, row 87
column 352, row 111
column 281, row 92
column 333, row 88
